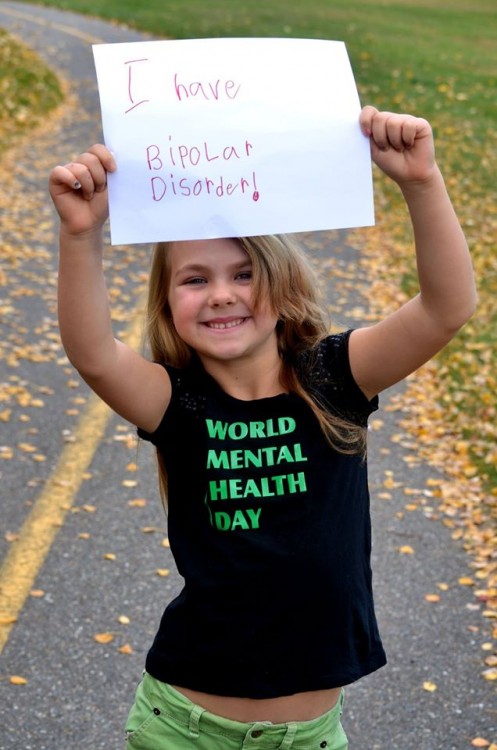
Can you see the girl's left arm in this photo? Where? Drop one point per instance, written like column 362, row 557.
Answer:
column 382, row 354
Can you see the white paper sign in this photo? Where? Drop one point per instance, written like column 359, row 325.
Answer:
column 232, row 137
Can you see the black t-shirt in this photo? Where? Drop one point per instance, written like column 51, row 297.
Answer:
column 270, row 529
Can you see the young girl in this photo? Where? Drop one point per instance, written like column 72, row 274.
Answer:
column 259, row 420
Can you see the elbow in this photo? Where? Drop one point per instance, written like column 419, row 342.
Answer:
column 468, row 309
column 460, row 316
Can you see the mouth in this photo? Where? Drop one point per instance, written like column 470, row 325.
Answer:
column 221, row 325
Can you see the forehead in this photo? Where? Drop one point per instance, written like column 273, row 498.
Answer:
column 206, row 253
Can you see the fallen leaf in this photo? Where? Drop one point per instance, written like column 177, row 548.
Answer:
column 125, row 649
column 480, row 742
column 17, row 680
column 104, row 637
column 432, row 597
column 162, row 572
column 430, row 687
column 406, row 550
column 7, row 620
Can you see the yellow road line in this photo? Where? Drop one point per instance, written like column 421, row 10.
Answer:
column 89, row 38
column 26, row 555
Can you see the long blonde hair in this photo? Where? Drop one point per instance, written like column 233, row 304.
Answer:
column 281, row 274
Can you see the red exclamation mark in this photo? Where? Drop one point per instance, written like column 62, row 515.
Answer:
column 255, row 195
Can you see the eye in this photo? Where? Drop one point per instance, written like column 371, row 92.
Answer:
column 195, row 280
column 244, row 275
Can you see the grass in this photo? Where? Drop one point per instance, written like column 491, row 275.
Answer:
column 436, row 58
column 28, row 90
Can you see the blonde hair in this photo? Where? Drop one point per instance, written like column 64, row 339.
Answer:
column 281, row 274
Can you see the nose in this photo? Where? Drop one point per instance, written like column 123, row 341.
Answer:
column 222, row 294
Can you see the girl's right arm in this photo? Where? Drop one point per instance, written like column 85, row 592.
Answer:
column 132, row 386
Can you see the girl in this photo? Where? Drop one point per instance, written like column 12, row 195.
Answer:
column 259, row 419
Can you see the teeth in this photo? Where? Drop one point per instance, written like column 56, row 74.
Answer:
column 231, row 324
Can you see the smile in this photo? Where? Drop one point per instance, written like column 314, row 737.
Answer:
column 227, row 324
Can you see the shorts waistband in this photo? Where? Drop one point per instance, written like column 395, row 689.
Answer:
column 258, row 734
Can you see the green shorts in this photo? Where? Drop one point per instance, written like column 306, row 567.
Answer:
column 161, row 718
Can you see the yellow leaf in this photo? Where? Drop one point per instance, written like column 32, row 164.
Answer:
column 430, row 687
column 103, row 637
column 162, row 572
column 138, row 502
column 126, row 649
column 37, row 593
column 490, row 674
column 406, row 550
column 165, row 542
column 123, row 620
column 18, row 680
column 466, row 581
column 376, row 424
column 432, row 597
column 109, row 556
column 480, row 742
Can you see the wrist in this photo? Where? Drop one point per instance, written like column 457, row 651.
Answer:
column 428, row 186
column 88, row 238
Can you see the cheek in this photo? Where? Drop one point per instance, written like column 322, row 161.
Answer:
column 183, row 308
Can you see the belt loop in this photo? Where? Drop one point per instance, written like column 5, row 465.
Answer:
column 289, row 737
column 193, row 726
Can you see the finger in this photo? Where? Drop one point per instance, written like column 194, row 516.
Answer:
column 93, row 168
column 64, row 177
column 379, row 132
column 105, row 156
column 365, row 119
column 399, row 132
column 83, row 179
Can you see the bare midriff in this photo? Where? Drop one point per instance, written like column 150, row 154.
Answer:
column 298, row 707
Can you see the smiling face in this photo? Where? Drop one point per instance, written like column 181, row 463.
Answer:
column 210, row 298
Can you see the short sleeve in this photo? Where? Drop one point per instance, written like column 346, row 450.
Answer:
column 187, row 402
column 325, row 371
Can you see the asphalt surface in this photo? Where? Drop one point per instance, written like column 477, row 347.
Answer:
column 103, row 563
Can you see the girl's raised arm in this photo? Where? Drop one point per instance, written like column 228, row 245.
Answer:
column 135, row 388
column 382, row 354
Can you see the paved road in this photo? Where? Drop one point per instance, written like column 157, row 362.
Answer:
column 105, row 530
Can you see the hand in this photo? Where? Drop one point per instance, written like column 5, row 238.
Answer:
column 401, row 145
column 79, row 190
